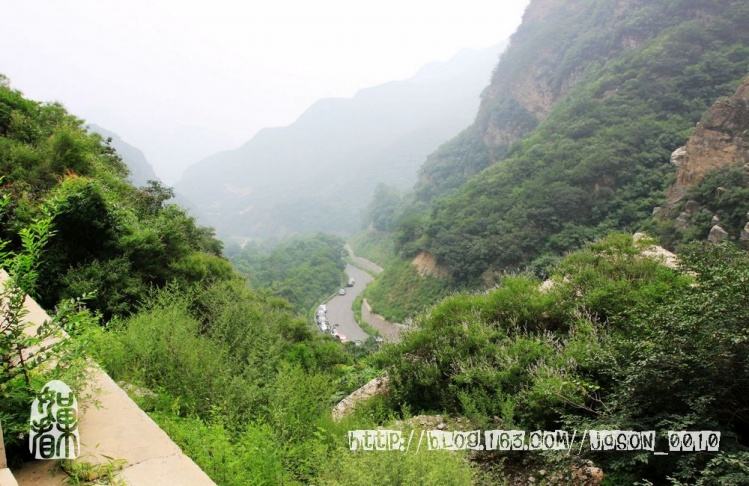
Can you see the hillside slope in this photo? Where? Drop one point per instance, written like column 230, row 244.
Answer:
column 140, row 170
column 318, row 173
column 575, row 140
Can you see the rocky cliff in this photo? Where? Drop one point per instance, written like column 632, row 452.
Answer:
column 710, row 196
column 721, row 139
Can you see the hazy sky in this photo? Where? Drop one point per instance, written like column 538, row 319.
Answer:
column 184, row 79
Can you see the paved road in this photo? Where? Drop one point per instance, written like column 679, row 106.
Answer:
column 360, row 262
column 339, row 307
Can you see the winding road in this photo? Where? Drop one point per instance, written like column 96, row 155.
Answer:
column 340, row 307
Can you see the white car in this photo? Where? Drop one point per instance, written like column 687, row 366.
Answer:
column 342, row 292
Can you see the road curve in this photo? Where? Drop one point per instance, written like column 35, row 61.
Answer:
column 340, row 307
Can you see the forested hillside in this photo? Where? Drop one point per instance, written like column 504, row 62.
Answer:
column 302, row 270
column 603, row 105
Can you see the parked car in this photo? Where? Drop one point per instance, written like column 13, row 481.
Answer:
column 342, row 292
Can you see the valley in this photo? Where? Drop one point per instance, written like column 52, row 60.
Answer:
column 548, row 234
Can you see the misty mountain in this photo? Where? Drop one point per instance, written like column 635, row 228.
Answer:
column 140, row 170
column 318, row 173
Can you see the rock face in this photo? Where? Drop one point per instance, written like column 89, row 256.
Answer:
column 721, row 139
column 377, row 386
column 587, row 475
column 717, row 234
column 655, row 252
column 426, row 265
column 679, row 156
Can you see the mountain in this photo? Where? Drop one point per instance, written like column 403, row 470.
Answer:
column 140, row 170
column 575, row 131
column 318, row 173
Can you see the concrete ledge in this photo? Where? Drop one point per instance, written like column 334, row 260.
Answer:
column 111, row 425
column 6, row 478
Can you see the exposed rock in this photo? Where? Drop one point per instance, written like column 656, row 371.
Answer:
column 715, row 220
column 426, row 265
column 717, row 234
column 375, row 387
column 546, row 285
column 721, row 139
column 587, row 475
column 679, row 156
column 655, row 252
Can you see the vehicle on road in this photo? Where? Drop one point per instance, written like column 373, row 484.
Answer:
column 342, row 292
column 351, row 282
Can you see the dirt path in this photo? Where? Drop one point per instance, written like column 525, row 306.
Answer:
column 390, row 331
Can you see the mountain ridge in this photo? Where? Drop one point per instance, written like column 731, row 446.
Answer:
column 317, row 173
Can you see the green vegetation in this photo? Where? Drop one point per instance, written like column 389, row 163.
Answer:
column 400, row 292
column 619, row 342
column 246, row 389
column 303, row 270
column 375, row 246
column 600, row 161
column 230, row 368
column 110, row 238
column 240, row 381
column 22, row 374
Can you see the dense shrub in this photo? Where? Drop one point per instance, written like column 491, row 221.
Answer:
column 618, row 342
